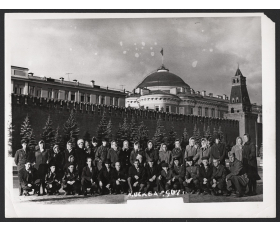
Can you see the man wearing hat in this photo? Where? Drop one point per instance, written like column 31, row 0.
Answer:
column 152, row 173
column 89, row 178
column 101, row 154
column 218, row 150
column 136, row 177
column 191, row 182
column 52, row 180
column 28, row 179
column 71, row 181
column 179, row 174
column 218, row 179
column 205, row 174
column 165, row 178
column 21, row 156
column 105, row 178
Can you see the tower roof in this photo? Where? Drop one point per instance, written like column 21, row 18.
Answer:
column 238, row 72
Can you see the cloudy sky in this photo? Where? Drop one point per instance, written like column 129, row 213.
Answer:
column 204, row 52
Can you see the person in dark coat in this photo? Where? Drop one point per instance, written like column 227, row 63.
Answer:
column 89, row 178
column 71, row 159
column 250, row 164
column 141, row 159
column 136, row 150
column 205, row 174
column 125, row 156
column 236, row 180
column 218, row 151
column 81, row 156
column 165, row 178
column 21, row 156
column 179, row 174
column 101, row 155
column 52, row 180
column 56, row 157
column 218, row 179
column 113, row 153
column 177, row 152
column 28, row 179
column 68, row 151
column 164, row 155
column 152, row 173
column 191, row 182
column 105, row 178
column 136, row 177
column 41, row 162
column 150, row 152
column 94, row 148
column 119, row 179
column 71, row 181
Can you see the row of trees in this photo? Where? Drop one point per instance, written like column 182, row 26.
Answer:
column 131, row 131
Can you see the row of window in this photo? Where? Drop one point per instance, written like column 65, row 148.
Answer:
column 235, row 100
column 37, row 92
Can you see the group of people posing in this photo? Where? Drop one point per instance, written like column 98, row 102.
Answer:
column 93, row 169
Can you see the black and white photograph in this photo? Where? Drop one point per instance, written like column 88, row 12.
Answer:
column 106, row 112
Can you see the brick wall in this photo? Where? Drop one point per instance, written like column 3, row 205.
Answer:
column 89, row 115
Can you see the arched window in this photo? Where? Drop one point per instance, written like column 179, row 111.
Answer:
column 237, row 100
column 233, row 81
column 199, row 111
column 206, row 112
column 237, row 80
column 232, row 100
column 232, row 110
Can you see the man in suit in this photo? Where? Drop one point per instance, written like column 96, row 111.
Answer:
column 191, row 182
column 21, row 156
column 151, row 175
column 81, row 156
column 218, row 151
column 179, row 174
column 71, row 181
column 165, row 178
column 52, row 180
column 113, row 153
column 89, row 178
column 119, row 179
column 218, row 179
column 177, row 152
column 205, row 174
column 28, row 179
column 125, row 156
column 136, row 177
column 105, row 178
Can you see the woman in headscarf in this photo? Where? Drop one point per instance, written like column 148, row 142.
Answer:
column 237, row 148
column 250, row 164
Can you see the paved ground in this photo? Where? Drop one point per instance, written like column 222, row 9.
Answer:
column 122, row 199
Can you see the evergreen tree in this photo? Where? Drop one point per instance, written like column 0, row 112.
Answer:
column 57, row 140
column 71, row 129
column 171, row 138
column 87, row 137
column 101, row 128
column 185, row 138
column 215, row 133
column 207, row 134
column 108, row 132
column 125, row 130
column 48, row 132
column 26, row 133
column 196, row 134
column 142, row 135
column 133, row 130
column 118, row 136
column 159, row 136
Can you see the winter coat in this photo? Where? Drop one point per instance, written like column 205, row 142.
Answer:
column 237, row 150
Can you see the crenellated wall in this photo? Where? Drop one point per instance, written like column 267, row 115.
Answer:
column 89, row 115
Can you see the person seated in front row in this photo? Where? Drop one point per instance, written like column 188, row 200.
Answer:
column 89, row 178
column 105, row 178
column 28, row 179
column 71, row 181
column 136, row 177
column 141, row 159
column 165, row 178
column 119, row 178
column 205, row 174
column 151, row 174
column 236, row 180
column 218, row 179
column 179, row 174
column 191, row 182
column 52, row 180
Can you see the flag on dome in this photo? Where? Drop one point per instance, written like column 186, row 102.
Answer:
column 161, row 51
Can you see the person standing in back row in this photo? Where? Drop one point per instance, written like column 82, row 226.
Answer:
column 218, row 151
column 101, row 154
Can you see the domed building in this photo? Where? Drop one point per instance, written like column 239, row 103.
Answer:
column 165, row 91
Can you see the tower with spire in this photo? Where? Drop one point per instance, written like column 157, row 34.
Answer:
column 240, row 107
